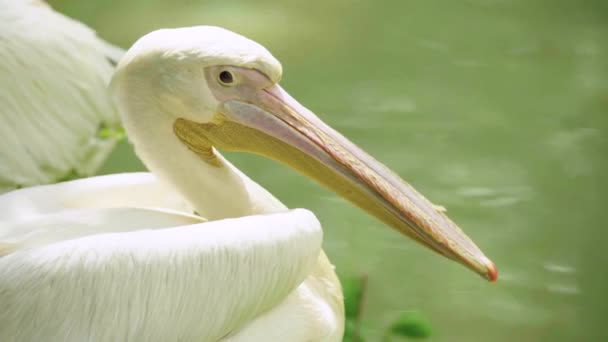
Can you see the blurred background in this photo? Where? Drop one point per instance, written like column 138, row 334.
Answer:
column 495, row 109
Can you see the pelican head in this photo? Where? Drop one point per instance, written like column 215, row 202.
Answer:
column 215, row 89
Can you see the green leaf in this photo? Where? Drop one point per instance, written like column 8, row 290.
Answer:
column 349, row 331
column 352, row 331
column 71, row 175
column 354, row 289
column 353, row 293
column 411, row 324
column 107, row 132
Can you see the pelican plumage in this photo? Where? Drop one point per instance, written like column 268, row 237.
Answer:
column 52, row 68
column 197, row 251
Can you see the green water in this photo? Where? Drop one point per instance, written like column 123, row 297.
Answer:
column 495, row 109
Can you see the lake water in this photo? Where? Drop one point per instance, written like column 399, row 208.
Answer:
column 494, row 109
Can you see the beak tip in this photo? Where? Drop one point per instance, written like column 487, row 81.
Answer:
column 492, row 271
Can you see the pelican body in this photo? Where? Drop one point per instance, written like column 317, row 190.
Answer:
column 197, row 251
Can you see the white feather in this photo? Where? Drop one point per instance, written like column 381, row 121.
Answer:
column 53, row 96
column 163, row 277
column 81, row 268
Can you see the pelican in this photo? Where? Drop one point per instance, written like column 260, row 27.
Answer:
column 53, row 69
column 196, row 250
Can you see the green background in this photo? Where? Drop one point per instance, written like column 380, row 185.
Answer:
column 495, row 109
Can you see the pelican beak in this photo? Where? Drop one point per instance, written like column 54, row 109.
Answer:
column 271, row 123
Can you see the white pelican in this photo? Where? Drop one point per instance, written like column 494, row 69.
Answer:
column 98, row 259
column 53, row 76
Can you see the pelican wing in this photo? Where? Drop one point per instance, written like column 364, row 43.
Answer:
column 137, row 189
column 42, row 230
column 143, row 274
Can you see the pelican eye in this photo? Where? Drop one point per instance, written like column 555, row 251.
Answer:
column 226, row 77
